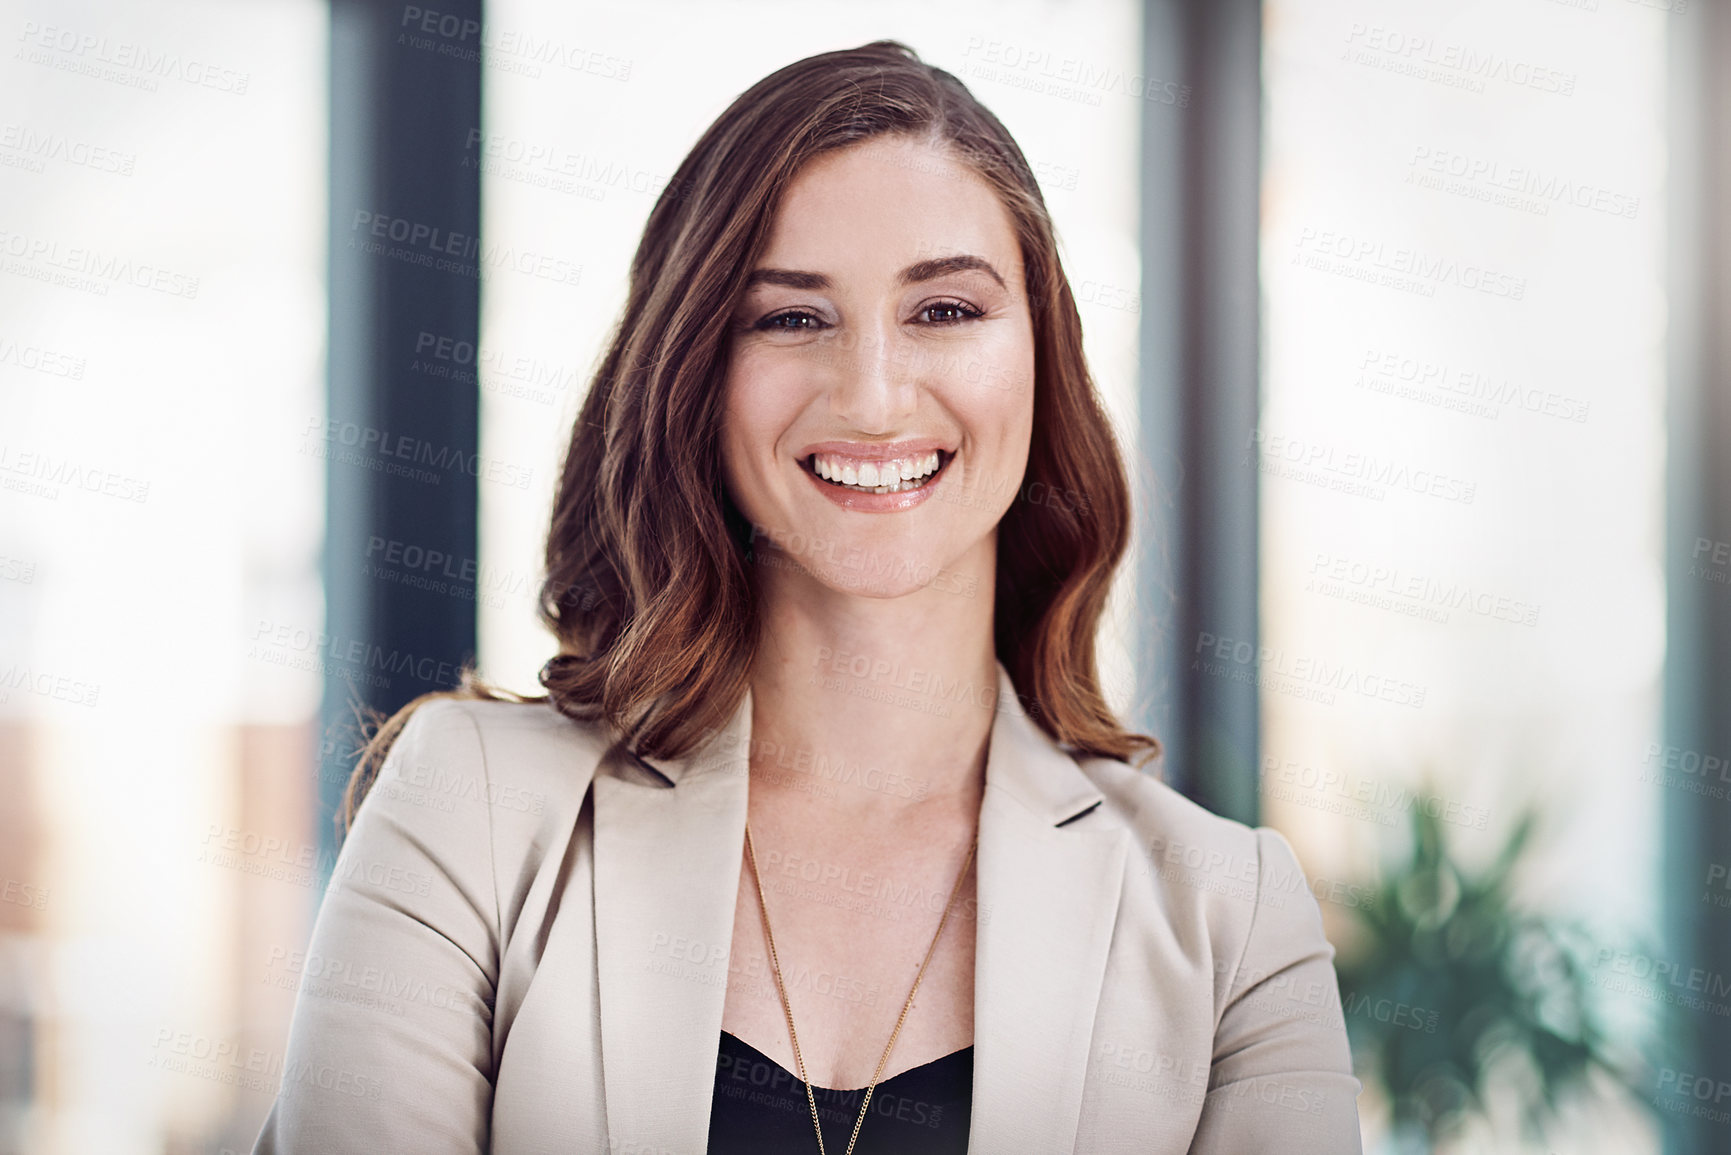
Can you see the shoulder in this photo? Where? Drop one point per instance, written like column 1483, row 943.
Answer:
column 1169, row 827
column 515, row 757
column 475, row 794
column 1223, row 882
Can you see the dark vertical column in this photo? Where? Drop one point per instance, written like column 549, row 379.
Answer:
column 401, row 444
column 1697, row 716
column 1201, row 336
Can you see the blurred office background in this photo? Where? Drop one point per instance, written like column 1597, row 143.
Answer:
column 1410, row 318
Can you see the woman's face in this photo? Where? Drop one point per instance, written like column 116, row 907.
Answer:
column 880, row 375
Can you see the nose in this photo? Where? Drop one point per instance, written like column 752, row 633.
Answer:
column 876, row 386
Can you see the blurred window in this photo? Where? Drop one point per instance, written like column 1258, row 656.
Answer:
column 1462, row 448
column 162, row 319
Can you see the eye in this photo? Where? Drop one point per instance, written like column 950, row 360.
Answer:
column 948, row 312
column 791, row 320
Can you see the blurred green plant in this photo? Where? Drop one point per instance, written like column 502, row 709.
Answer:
column 1453, row 990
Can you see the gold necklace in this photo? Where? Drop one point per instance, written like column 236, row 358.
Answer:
column 787, row 1008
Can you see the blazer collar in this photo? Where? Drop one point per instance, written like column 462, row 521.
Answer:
column 721, row 749
column 1025, row 763
column 668, row 838
column 1022, row 760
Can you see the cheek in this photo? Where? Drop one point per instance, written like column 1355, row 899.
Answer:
column 995, row 402
column 761, row 401
column 997, row 395
column 735, row 434
column 754, row 415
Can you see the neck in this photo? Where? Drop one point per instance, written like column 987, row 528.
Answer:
column 874, row 710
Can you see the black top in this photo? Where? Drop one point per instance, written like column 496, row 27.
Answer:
column 760, row 1108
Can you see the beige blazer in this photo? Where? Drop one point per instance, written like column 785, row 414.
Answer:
column 523, row 949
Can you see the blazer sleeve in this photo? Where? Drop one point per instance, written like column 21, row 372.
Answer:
column 390, row 1048
column 1281, row 1077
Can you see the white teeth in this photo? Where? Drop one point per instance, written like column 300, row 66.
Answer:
column 877, row 476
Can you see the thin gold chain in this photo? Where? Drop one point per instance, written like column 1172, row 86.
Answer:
column 787, row 1007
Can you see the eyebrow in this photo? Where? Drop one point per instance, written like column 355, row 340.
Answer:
column 912, row 275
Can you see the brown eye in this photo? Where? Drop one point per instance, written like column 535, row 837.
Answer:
column 793, row 320
column 948, row 312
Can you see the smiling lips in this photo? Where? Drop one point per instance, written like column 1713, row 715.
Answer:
column 869, row 476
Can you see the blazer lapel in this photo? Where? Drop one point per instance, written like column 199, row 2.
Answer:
column 1048, row 899
column 668, row 838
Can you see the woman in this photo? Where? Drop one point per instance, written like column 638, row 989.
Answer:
column 824, row 836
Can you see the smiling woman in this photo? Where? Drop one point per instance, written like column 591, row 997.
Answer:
column 851, row 371
column 840, row 844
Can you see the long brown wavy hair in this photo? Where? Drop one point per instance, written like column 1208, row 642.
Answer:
column 649, row 576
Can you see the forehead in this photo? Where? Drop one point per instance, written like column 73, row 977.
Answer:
column 887, row 202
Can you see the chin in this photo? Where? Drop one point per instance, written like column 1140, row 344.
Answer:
column 850, row 558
